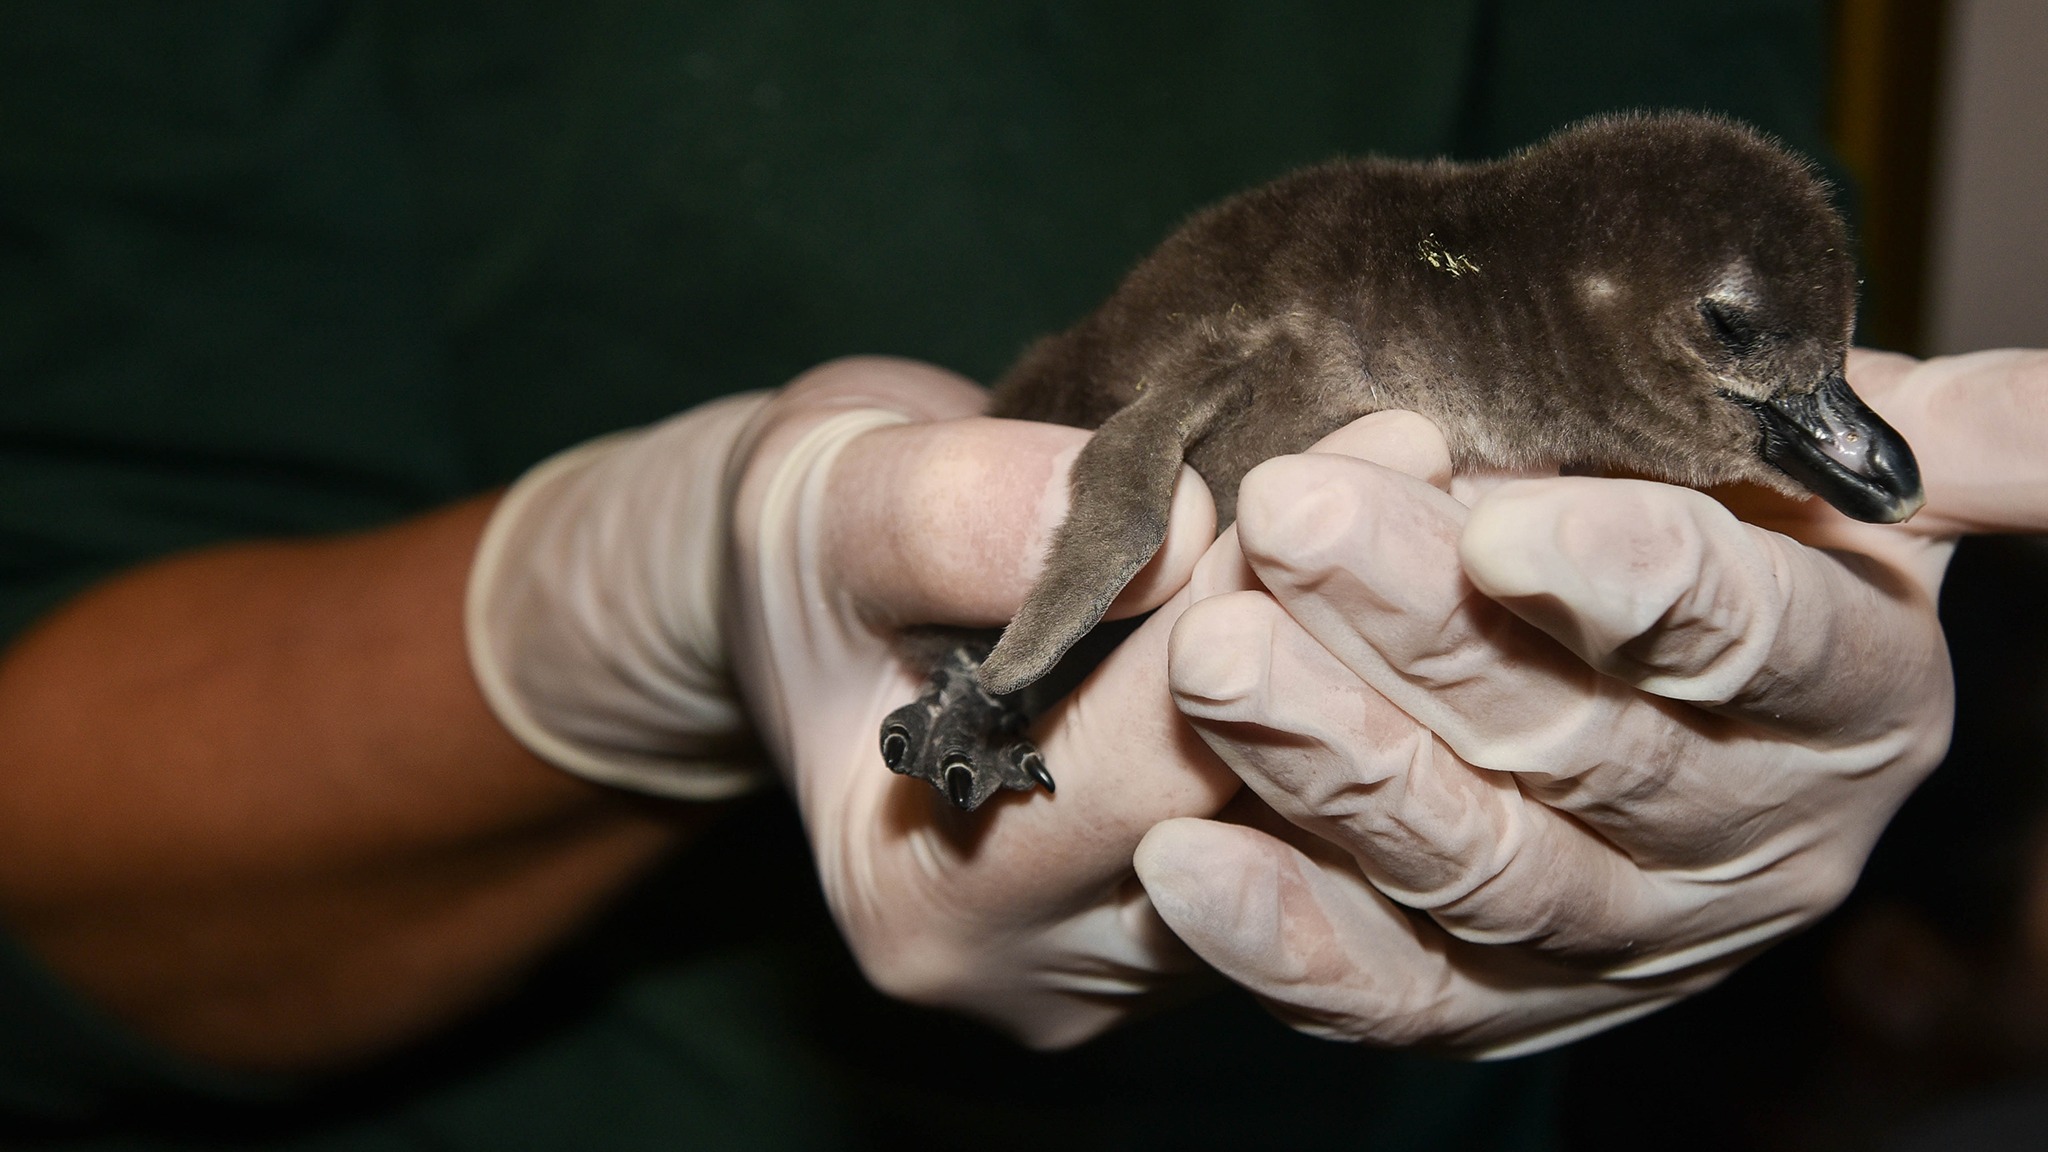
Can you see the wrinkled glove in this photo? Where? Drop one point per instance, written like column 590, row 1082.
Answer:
column 592, row 610
column 865, row 505
column 629, row 595
column 1546, row 763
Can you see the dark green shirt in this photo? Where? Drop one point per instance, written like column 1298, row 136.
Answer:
column 285, row 267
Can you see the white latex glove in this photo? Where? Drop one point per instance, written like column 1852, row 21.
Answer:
column 1546, row 764
column 866, row 503
column 592, row 610
column 789, row 539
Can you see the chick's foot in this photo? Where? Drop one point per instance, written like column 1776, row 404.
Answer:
column 961, row 740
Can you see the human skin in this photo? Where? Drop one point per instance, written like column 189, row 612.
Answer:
column 257, row 810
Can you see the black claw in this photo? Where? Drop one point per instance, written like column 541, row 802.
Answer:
column 960, row 784
column 1034, row 766
column 895, row 745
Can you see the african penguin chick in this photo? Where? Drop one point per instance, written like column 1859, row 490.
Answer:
column 1668, row 296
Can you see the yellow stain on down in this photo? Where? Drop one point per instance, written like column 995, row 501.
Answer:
column 1431, row 252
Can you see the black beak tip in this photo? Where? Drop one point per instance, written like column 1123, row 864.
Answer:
column 1879, row 509
column 1841, row 451
column 1885, row 490
column 1893, row 509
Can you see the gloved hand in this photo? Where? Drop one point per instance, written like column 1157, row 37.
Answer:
column 630, row 594
column 1544, row 764
column 865, row 504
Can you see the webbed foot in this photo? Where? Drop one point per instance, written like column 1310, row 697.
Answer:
column 961, row 740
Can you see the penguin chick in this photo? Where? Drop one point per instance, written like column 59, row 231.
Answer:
column 1668, row 296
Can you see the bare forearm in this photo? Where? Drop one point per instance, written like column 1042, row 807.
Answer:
column 257, row 807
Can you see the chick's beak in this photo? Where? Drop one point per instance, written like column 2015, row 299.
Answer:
column 1838, row 449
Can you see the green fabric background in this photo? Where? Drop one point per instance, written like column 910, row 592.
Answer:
column 270, row 268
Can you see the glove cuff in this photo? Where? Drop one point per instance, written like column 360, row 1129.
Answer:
column 591, row 614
